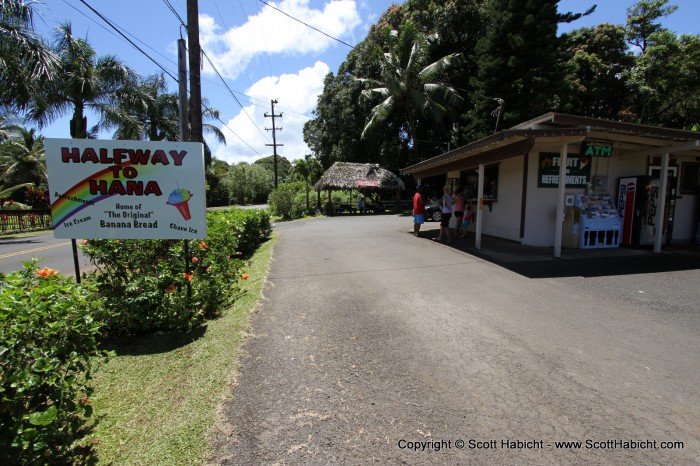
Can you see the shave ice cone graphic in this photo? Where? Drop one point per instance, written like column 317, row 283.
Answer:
column 180, row 198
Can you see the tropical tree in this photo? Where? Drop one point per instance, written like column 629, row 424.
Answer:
column 334, row 132
column 284, row 166
column 642, row 21
column 665, row 81
column 217, row 189
column 9, row 125
column 309, row 170
column 23, row 160
column 24, row 58
column 411, row 92
column 155, row 114
column 249, row 183
column 84, row 81
column 156, row 117
column 521, row 64
column 599, row 72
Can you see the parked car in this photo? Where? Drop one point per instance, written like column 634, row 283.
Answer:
column 433, row 211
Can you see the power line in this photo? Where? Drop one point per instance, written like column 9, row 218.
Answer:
column 115, row 35
column 101, row 16
column 233, row 132
column 172, row 9
column 127, row 39
column 306, row 24
column 232, row 95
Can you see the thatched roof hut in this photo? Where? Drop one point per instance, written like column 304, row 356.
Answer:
column 347, row 175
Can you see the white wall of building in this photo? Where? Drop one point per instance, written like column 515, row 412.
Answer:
column 540, row 208
column 541, row 202
column 687, row 207
column 503, row 220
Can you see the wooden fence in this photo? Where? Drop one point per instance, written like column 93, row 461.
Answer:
column 18, row 221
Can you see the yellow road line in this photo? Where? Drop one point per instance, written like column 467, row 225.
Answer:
column 29, row 251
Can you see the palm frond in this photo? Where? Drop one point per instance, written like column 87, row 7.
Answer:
column 440, row 66
column 379, row 115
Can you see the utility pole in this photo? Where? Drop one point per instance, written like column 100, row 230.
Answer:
column 195, row 71
column 274, row 138
column 182, row 86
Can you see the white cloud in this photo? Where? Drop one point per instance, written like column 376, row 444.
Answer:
column 271, row 32
column 296, row 96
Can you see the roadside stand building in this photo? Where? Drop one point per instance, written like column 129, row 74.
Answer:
column 564, row 180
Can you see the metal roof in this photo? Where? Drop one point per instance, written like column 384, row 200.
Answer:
column 628, row 139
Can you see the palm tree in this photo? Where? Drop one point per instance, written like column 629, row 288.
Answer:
column 23, row 159
column 155, row 116
column 157, row 119
column 409, row 89
column 9, row 125
column 84, row 81
column 24, row 58
column 310, row 170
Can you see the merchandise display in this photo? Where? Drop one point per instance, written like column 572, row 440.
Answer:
column 601, row 226
column 596, row 205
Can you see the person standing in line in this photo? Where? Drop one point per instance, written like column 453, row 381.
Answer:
column 446, row 205
column 458, row 211
column 468, row 217
column 418, row 210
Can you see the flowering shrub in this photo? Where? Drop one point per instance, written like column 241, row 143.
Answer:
column 48, row 347
column 149, row 285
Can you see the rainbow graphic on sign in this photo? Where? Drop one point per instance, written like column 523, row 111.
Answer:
column 79, row 196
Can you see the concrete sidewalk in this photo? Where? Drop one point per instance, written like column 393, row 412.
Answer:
column 540, row 262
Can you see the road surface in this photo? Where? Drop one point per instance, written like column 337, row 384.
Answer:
column 54, row 253
column 373, row 346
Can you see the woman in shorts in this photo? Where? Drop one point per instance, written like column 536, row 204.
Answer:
column 446, row 206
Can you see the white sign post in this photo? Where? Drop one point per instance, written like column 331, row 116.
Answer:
column 115, row 189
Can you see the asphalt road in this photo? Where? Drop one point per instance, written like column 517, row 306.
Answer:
column 373, row 346
column 54, row 253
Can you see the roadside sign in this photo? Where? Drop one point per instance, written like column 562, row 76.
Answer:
column 126, row 189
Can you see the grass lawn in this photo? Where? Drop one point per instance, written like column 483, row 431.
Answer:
column 157, row 399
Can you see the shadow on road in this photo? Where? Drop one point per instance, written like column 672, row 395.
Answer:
column 539, row 262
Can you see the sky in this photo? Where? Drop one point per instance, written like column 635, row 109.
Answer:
column 260, row 54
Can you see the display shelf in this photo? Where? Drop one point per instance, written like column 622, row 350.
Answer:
column 600, row 227
column 600, row 233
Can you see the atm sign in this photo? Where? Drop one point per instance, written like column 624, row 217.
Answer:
column 597, row 148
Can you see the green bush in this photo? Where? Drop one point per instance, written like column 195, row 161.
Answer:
column 145, row 282
column 241, row 229
column 48, row 349
column 286, row 202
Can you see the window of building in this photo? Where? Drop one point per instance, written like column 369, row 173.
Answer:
column 690, row 178
column 470, row 180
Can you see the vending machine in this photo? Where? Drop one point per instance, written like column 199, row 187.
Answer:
column 637, row 204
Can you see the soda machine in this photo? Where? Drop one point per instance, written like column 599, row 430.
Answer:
column 637, row 205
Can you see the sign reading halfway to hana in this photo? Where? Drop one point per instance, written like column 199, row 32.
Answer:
column 126, row 189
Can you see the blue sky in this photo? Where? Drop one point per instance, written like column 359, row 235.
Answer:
column 261, row 53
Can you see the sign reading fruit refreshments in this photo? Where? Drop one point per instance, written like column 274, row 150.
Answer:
column 126, row 189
